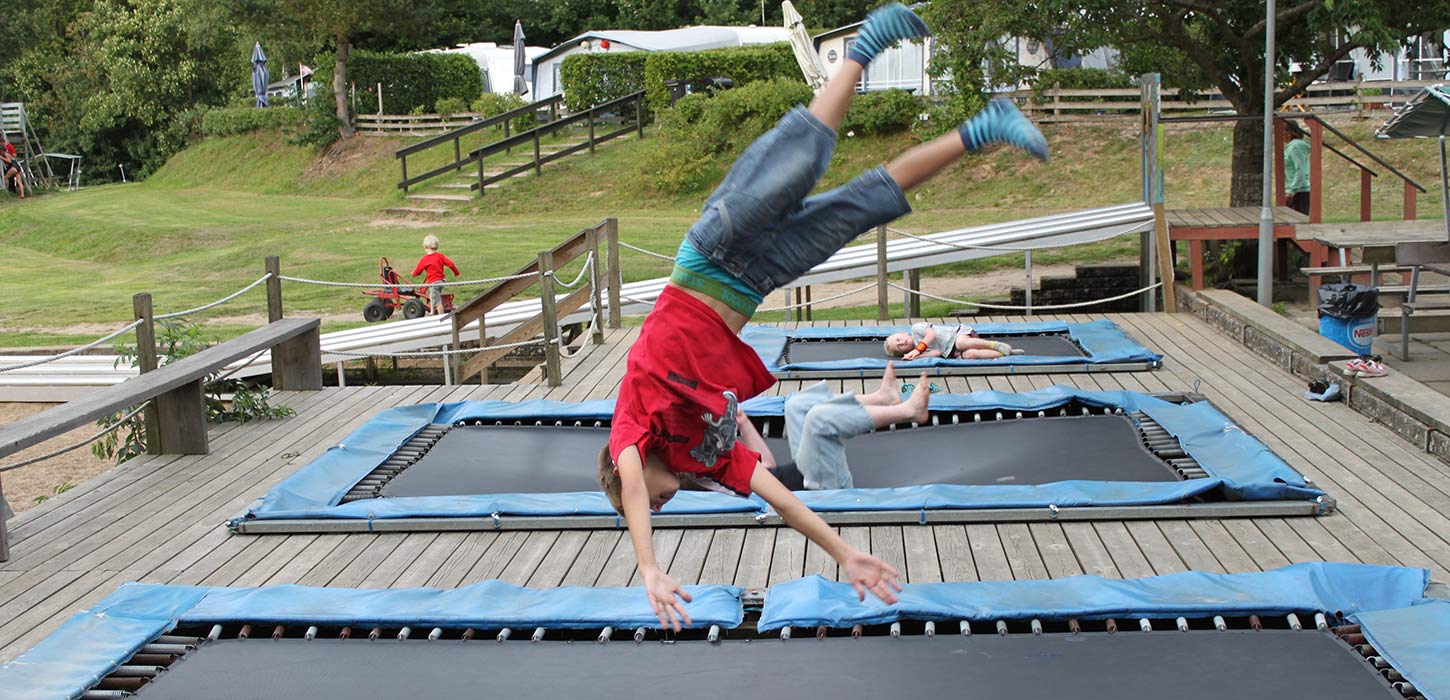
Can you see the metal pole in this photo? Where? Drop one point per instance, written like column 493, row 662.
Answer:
column 1266, row 214
column 1027, row 291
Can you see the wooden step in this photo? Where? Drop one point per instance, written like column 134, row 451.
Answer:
column 439, row 197
column 416, row 211
column 454, row 186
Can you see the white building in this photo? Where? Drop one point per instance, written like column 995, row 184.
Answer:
column 546, row 65
column 496, row 63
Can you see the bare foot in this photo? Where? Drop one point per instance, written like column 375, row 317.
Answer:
column 887, row 394
column 920, row 411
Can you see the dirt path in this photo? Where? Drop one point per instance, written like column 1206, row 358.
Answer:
column 25, row 484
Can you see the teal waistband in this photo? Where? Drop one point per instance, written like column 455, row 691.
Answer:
column 697, row 272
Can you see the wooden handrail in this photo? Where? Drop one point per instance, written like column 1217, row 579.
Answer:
column 455, row 137
column 524, row 137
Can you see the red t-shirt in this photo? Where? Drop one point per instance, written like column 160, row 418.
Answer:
column 433, row 263
column 684, row 379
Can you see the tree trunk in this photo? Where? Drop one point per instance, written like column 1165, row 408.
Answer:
column 1248, row 164
column 339, row 85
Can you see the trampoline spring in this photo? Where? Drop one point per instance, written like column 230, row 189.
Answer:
column 598, row 424
column 604, row 635
column 1354, row 639
column 1392, row 675
column 278, row 631
column 1062, row 412
column 244, row 632
column 713, row 635
column 1293, row 621
column 1074, row 626
column 1193, row 473
column 639, row 635
column 126, row 684
column 999, row 415
column 935, row 419
column 153, row 659
column 467, row 635
column 1378, row 662
column 1172, row 453
column 1321, row 622
column 404, row 633
column 167, row 650
column 895, row 630
column 538, row 635
column 1019, row 414
column 215, row 634
column 929, row 631
column 1367, row 650
column 177, row 639
column 344, row 633
column 1145, row 625
column 956, row 419
column 578, row 423
column 1036, row 627
column 1001, row 628
column 976, row 418
column 538, row 423
column 1255, row 623
column 374, row 633
column 1346, row 629
column 1112, row 626
column 1406, row 689
column 105, row 695
column 311, row 633
column 137, row 671
column 1118, row 411
column 1042, row 414
column 1182, row 623
column 503, row 635
column 1219, row 623
column 822, row 631
column 785, row 633
column 856, row 631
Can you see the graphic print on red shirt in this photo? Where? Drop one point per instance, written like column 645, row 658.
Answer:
column 433, row 263
column 685, row 377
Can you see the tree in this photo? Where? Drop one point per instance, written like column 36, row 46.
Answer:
column 1194, row 43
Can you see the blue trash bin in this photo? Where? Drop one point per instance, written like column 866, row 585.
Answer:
column 1348, row 315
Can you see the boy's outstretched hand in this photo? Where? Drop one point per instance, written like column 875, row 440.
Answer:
column 663, row 591
column 867, row 573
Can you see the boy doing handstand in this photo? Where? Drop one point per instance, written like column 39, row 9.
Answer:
column 677, row 411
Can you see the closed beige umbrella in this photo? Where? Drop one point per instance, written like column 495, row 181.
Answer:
column 805, row 51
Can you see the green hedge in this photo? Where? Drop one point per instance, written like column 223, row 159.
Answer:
column 743, row 65
column 491, row 104
column 412, row 80
column 239, row 120
column 699, row 136
column 882, row 112
column 589, row 79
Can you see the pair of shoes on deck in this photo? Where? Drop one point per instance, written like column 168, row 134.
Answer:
column 1366, row 367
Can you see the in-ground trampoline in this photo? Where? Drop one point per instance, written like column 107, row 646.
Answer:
column 1050, row 347
column 1059, row 453
column 1332, row 631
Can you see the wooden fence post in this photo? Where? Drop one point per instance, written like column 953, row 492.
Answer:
column 639, row 115
column 538, row 167
column 596, row 320
column 883, row 302
column 4, row 529
column 273, row 266
column 146, row 361
column 809, row 315
column 913, row 280
column 616, row 276
column 591, row 132
column 551, row 318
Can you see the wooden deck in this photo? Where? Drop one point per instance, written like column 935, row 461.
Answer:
column 160, row 519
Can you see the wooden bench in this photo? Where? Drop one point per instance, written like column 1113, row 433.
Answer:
column 178, row 413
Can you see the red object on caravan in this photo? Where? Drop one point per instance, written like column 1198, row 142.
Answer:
column 604, row 44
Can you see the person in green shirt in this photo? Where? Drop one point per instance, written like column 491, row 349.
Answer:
column 1296, row 170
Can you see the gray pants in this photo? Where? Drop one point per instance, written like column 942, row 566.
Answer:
column 818, row 424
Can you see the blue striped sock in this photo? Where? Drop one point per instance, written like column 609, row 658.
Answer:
column 885, row 26
column 1001, row 122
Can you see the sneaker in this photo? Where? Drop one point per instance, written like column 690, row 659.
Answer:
column 884, row 27
column 1354, row 367
column 1373, row 368
column 1002, row 122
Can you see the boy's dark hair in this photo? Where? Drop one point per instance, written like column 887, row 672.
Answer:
column 609, row 481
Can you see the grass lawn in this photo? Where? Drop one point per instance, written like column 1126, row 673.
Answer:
column 200, row 227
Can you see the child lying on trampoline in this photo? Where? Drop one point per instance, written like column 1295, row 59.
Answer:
column 688, row 371
column 952, row 342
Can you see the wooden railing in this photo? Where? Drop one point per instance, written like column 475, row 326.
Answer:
column 614, row 111
column 541, row 272
column 551, row 104
column 1055, row 103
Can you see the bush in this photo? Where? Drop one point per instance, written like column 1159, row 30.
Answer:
column 702, row 130
column 882, row 112
column 451, row 105
column 743, row 65
column 590, row 79
column 411, row 80
column 227, row 121
column 940, row 117
column 492, row 104
column 1080, row 79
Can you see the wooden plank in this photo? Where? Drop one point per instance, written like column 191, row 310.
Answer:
column 1090, row 550
column 1191, row 550
column 1021, row 552
column 754, row 568
column 385, row 574
column 723, row 558
column 1252, row 540
column 954, row 553
column 789, row 558
column 1155, row 547
column 1224, row 548
column 592, row 558
column 887, row 545
column 37, row 428
column 1123, row 550
column 468, row 558
column 559, row 559
column 666, row 543
column 1056, row 551
column 689, row 558
column 987, row 552
column 922, row 565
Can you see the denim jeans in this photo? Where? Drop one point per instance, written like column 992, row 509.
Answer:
column 760, row 225
column 818, row 424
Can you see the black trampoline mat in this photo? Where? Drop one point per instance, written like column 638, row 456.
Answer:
column 800, row 351
column 1199, row 665
column 542, row 459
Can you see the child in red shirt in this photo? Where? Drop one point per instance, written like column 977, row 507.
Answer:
column 433, row 263
column 678, row 406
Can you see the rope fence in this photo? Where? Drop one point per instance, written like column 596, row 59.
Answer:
column 815, row 302
column 110, row 429
column 366, row 285
column 75, row 351
column 1034, row 307
column 218, row 302
column 650, row 253
column 433, row 353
